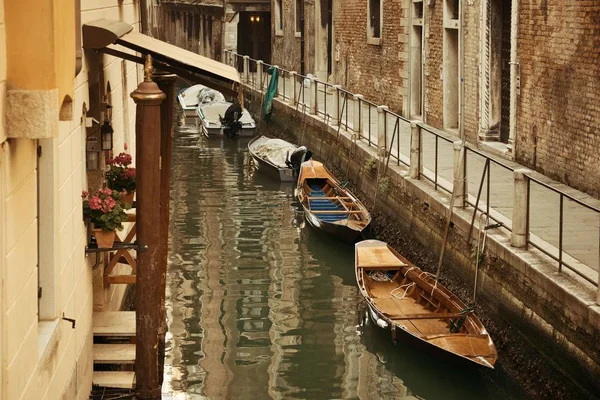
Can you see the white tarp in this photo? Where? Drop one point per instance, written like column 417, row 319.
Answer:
column 274, row 150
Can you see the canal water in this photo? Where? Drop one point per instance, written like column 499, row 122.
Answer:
column 261, row 306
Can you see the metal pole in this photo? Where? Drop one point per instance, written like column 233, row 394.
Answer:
column 166, row 83
column 148, row 99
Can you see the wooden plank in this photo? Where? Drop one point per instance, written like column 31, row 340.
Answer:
column 337, row 212
column 114, row 379
column 120, row 279
column 114, row 353
column 327, row 198
column 114, row 323
column 399, row 317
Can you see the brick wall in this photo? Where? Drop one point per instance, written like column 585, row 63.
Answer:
column 558, row 111
column 434, row 91
column 286, row 46
column 472, row 61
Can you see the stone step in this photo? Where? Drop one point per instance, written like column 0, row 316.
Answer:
column 114, row 323
column 114, row 353
column 114, row 379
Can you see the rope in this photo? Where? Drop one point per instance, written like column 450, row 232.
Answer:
column 406, row 287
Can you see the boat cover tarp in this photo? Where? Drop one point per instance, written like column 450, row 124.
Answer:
column 275, row 151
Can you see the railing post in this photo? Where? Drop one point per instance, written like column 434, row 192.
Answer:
column 259, row 72
column 357, row 122
column 336, row 106
column 381, row 125
column 276, row 67
column 294, row 79
column 518, row 237
column 459, row 174
column 246, row 68
column 415, row 151
column 314, row 104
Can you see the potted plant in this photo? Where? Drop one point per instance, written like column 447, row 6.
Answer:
column 106, row 211
column 121, row 177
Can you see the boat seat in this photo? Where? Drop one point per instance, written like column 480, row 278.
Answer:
column 325, row 204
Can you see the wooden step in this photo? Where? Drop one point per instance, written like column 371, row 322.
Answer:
column 114, row 353
column 114, row 323
column 114, row 379
column 120, row 279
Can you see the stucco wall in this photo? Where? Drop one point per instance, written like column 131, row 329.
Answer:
column 50, row 359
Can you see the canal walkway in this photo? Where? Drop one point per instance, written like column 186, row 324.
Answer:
column 581, row 225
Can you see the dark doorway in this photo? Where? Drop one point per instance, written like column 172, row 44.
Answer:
column 505, row 60
column 254, row 37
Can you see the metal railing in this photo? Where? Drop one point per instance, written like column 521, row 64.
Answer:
column 369, row 122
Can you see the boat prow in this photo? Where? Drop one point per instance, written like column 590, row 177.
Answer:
column 407, row 300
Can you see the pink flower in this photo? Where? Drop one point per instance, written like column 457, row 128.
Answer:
column 85, row 194
column 95, row 203
column 125, row 146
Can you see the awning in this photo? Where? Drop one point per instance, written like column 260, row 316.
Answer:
column 104, row 35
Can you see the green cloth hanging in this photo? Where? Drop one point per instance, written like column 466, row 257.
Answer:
column 271, row 93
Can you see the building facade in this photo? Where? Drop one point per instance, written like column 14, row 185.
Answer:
column 52, row 97
column 513, row 77
column 207, row 27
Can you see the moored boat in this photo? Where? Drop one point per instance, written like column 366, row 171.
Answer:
column 327, row 205
column 190, row 98
column 211, row 119
column 408, row 301
column 277, row 158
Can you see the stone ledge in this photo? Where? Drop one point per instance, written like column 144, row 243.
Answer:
column 32, row 114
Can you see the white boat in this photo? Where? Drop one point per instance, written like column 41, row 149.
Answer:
column 190, row 98
column 277, row 158
column 211, row 114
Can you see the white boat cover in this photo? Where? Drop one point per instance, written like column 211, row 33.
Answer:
column 275, row 151
column 210, row 113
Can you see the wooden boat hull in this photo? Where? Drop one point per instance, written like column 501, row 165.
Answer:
column 416, row 310
column 336, row 230
column 328, row 206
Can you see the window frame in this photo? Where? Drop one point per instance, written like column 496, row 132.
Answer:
column 278, row 18
column 297, row 22
column 371, row 38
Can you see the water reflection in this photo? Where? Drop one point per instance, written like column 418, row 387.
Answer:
column 260, row 306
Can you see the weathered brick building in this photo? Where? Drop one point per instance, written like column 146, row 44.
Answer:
column 515, row 77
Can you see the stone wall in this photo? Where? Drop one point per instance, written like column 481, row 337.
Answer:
column 559, row 107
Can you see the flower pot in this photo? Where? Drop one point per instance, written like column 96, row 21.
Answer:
column 104, row 239
column 128, row 198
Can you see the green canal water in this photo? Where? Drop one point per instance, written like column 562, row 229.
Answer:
column 261, row 306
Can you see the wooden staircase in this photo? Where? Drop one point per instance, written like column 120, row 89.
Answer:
column 108, row 326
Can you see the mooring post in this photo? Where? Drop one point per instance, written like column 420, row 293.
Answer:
column 294, row 93
column 336, row 105
column 314, row 104
column 148, row 99
column 381, row 127
column 259, row 72
column 357, row 121
column 166, row 83
column 459, row 174
column 415, row 151
column 246, row 69
column 518, row 237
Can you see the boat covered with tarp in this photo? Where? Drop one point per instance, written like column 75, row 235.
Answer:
column 278, row 158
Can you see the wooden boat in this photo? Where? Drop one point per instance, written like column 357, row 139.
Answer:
column 327, row 205
column 277, row 158
column 407, row 300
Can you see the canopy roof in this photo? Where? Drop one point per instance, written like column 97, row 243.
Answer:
column 103, row 35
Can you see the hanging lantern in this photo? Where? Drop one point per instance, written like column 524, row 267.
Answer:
column 92, row 155
column 107, row 135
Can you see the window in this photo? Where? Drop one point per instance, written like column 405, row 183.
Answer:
column 279, row 17
column 375, row 21
column 451, row 65
column 299, row 17
column 416, row 60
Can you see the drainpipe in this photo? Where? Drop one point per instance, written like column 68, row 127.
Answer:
column 514, row 77
column 144, row 17
column 461, row 61
column 78, row 50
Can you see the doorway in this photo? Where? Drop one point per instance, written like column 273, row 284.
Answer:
column 324, row 39
column 254, row 37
